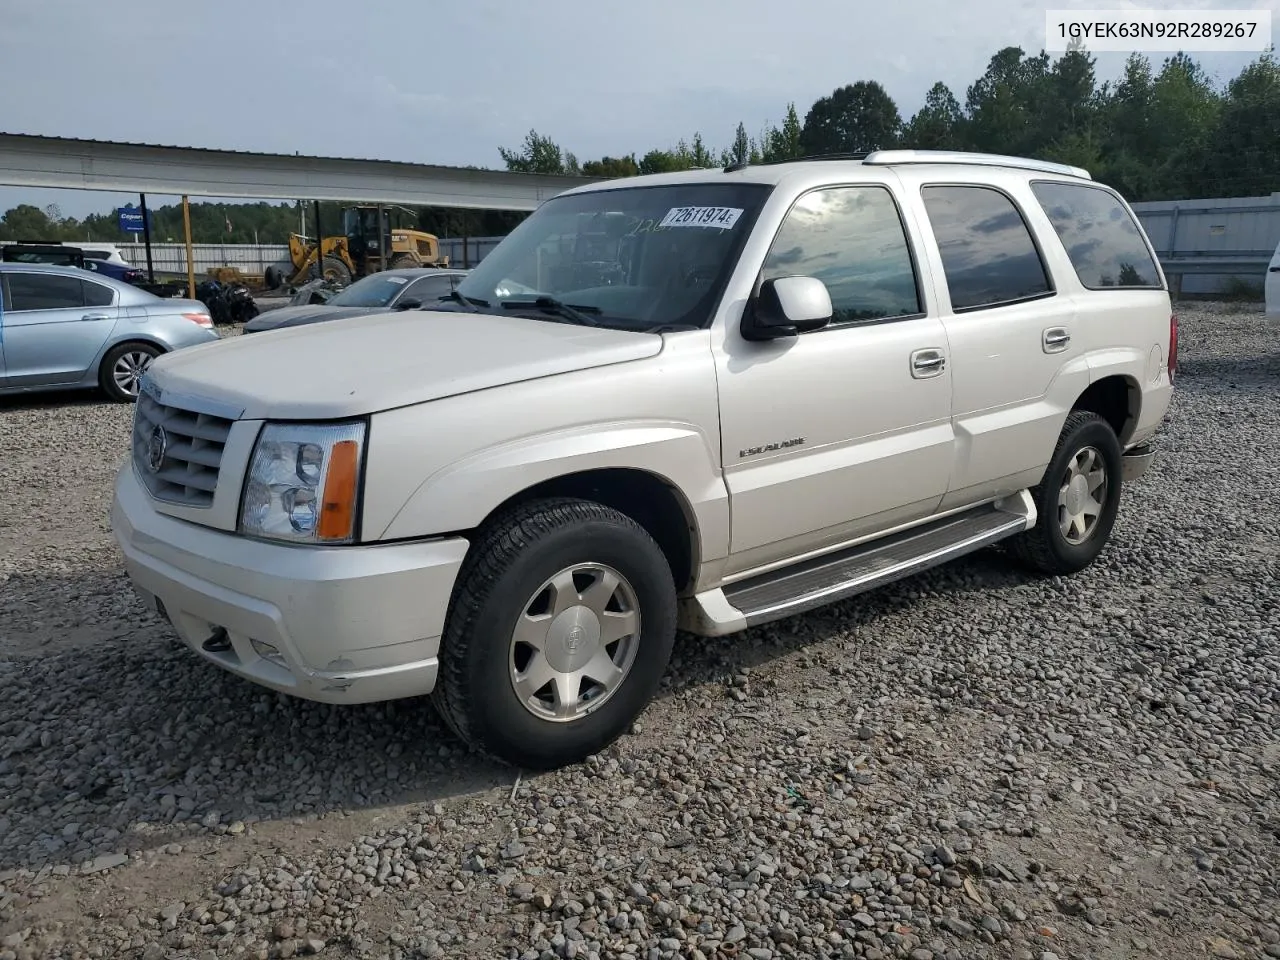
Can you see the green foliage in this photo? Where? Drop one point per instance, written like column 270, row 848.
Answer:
column 784, row 144
column 538, row 154
column 939, row 124
column 856, row 118
column 612, row 167
column 1153, row 134
column 249, row 223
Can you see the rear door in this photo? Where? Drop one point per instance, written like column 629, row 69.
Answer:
column 1014, row 343
column 54, row 326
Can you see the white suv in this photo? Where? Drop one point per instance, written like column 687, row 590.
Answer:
column 702, row 400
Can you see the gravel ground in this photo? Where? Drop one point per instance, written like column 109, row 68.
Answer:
column 971, row 763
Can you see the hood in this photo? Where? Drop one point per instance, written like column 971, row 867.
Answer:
column 362, row 365
column 307, row 313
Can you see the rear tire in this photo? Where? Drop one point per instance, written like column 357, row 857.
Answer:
column 122, row 369
column 403, row 260
column 1076, row 502
column 558, row 633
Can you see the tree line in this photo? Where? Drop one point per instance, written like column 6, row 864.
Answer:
column 1154, row 134
column 229, row 223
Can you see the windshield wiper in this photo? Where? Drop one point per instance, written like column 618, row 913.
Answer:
column 457, row 297
column 578, row 313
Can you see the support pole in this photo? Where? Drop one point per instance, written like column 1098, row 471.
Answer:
column 319, row 245
column 466, row 239
column 191, row 258
column 146, row 238
column 382, row 253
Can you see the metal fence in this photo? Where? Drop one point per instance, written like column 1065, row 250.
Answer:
column 476, row 249
column 172, row 257
column 254, row 258
column 1204, row 245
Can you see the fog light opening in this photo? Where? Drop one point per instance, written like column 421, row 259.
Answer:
column 267, row 652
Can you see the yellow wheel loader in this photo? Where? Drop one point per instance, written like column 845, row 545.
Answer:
column 369, row 244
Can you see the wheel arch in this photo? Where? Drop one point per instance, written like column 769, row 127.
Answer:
column 652, row 501
column 133, row 337
column 1117, row 398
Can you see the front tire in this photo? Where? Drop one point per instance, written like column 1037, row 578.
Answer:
column 331, row 268
column 558, row 634
column 1077, row 501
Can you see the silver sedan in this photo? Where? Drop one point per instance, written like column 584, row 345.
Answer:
column 63, row 328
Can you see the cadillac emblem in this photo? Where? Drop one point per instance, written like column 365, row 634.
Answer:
column 157, row 446
column 574, row 639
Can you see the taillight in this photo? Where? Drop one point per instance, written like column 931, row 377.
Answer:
column 1173, row 346
column 201, row 319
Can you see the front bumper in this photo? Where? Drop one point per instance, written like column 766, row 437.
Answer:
column 350, row 624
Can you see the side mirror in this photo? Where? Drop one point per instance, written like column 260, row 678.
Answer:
column 785, row 307
column 409, row 303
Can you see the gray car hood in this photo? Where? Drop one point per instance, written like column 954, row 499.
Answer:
column 361, row 365
column 307, row 313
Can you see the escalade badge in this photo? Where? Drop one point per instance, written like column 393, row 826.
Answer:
column 157, row 446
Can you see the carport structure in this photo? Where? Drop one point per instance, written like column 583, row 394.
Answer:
column 109, row 166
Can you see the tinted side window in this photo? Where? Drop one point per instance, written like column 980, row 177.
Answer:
column 97, row 295
column 852, row 239
column 987, row 251
column 1100, row 237
column 32, row 291
column 428, row 289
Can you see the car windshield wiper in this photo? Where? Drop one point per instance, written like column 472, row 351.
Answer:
column 466, row 301
column 578, row 313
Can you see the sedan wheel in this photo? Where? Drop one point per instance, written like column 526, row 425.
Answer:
column 123, row 368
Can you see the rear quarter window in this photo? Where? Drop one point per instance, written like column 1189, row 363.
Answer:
column 97, row 294
column 1100, row 236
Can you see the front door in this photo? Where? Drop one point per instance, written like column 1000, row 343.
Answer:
column 845, row 431
column 55, row 325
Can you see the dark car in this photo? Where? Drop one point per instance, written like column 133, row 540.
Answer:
column 117, row 271
column 408, row 289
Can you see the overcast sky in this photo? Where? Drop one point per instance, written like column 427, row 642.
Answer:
column 449, row 82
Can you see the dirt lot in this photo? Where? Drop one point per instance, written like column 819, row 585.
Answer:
column 971, row 763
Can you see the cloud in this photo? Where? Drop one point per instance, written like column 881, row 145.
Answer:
column 451, row 83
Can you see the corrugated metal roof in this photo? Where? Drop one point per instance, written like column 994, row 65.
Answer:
column 129, row 167
column 267, row 153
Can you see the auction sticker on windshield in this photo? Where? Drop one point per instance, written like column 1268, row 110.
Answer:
column 722, row 217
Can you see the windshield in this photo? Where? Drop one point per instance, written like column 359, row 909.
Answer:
column 633, row 257
column 376, row 290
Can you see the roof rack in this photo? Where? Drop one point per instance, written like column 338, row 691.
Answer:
column 883, row 157
column 743, row 164
column 834, row 156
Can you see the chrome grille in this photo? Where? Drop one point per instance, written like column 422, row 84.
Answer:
column 178, row 452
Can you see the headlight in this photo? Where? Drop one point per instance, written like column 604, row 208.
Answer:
column 304, row 483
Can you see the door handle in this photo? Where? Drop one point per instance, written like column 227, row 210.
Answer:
column 927, row 363
column 1275, row 269
column 1055, row 340
column 96, row 316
